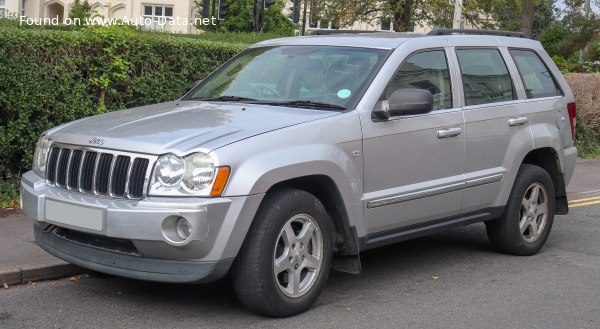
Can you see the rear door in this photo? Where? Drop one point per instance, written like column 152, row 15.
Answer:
column 496, row 123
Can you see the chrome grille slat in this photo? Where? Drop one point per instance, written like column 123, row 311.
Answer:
column 111, row 173
column 69, row 164
column 95, row 172
column 83, row 154
column 88, row 172
column 51, row 166
column 57, row 166
column 137, row 179
column 61, row 168
column 102, row 175
column 74, row 170
column 100, row 172
column 119, row 176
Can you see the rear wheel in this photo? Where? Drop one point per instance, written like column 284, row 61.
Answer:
column 527, row 220
column 285, row 260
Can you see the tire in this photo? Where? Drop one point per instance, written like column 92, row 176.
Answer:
column 525, row 225
column 275, row 237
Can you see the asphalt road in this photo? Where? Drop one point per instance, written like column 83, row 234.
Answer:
column 476, row 288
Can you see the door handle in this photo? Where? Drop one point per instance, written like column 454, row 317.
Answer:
column 517, row 121
column 449, row 132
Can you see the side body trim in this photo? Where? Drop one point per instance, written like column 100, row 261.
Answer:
column 434, row 191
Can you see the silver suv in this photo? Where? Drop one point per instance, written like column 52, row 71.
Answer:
column 299, row 153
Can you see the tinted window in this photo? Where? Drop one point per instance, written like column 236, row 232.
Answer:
column 485, row 76
column 426, row 70
column 535, row 75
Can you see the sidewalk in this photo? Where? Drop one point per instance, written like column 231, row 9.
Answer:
column 21, row 260
column 586, row 179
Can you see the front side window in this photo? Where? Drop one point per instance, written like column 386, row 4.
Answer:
column 425, row 70
column 158, row 17
column 536, row 77
column 485, row 76
column 292, row 74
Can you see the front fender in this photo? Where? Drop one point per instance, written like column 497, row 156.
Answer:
column 260, row 162
column 259, row 173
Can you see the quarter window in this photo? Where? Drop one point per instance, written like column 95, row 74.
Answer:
column 535, row 75
column 425, row 70
column 485, row 76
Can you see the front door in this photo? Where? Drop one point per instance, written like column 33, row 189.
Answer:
column 413, row 165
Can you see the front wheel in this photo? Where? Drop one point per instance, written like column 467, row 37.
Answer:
column 525, row 225
column 285, row 260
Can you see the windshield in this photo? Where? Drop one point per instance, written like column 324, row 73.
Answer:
column 293, row 75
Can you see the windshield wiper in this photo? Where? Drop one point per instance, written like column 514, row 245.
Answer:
column 306, row 104
column 226, row 99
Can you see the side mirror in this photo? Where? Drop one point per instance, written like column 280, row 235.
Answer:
column 405, row 102
column 196, row 83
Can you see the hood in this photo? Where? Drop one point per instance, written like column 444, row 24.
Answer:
column 180, row 126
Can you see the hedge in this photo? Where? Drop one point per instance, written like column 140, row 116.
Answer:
column 585, row 87
column 50, row 77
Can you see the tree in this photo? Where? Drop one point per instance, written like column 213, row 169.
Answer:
column 404, row 14
column 238, row 19
column 81, row 11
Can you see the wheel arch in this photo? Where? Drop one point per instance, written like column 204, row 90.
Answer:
column 548, row 159
column 325, row 189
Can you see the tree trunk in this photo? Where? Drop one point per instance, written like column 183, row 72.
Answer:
column 403, row 15
column 527, row 17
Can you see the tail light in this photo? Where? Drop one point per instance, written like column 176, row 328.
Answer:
column 572, row 108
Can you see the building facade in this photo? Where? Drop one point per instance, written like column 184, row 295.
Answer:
column 165, row 15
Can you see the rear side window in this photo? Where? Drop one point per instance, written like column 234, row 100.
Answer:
column 485, row 76
column 425, row 70
column 535, row 74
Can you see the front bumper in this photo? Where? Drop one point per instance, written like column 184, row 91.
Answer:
column 219, row 228
column 141, row 268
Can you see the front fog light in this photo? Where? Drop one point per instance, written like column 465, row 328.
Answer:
column 184, row 228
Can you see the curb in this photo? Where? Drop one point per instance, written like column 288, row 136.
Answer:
column 26, row 273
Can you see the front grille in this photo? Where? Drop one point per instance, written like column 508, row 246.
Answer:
column 98, row 172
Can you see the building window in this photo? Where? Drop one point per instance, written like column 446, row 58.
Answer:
column 23, row 6
column 2, row 7
column 157, row 17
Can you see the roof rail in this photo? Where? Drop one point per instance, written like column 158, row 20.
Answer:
column 477, row 32
column 330, row 32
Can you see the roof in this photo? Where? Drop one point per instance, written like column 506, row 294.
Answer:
column 386, row 40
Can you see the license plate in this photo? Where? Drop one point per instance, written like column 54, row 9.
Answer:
column 75, row 216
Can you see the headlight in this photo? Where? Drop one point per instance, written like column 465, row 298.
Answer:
column 40, row 157
column 200, row 173
column 169, row 170
column 193, row 175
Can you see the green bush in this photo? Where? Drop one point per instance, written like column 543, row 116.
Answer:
column 588, row 140
column 553, row 37
column 51, row 77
